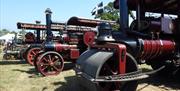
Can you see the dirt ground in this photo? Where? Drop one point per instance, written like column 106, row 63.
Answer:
column 16, row 75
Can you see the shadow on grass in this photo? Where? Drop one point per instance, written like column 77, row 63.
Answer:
column 163, row 83
column 12, row 62
column 71, row 84
column 32, row 71
column 68, row 66
column 166, row 84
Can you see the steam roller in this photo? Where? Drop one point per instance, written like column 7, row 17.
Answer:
column 111, row 63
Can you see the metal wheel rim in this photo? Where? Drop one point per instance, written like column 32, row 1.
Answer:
column 108, row 69
column 50, row 64
column 31, row 55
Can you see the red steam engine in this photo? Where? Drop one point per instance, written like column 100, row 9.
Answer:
column 73, row 41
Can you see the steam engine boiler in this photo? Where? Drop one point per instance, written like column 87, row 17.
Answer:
column 112, row 62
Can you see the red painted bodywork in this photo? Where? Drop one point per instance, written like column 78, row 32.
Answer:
column 119, row 50
column 74, row 53
column 61, row 47
column 155, row 48
column 89, row 38
column 74, row 40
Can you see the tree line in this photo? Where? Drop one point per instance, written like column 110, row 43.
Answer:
column 6, row 31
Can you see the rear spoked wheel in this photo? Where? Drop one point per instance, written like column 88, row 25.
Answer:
column 31, row 53
column 50, row 63
column 36, row 59
column 111, row 68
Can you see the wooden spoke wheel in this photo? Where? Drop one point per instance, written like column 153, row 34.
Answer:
column 111, row 68
column 50, row 63
column 31, row 53
column 37, row 58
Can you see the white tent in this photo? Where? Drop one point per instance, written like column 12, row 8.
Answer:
column 7, row 37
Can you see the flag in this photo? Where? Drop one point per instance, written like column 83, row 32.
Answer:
column 100, row 4
column 93, row 12
column 98, row 9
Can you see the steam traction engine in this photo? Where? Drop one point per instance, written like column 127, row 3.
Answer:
column 34, row 40
column 111, row 63
column 12, row 49
column 73, row 41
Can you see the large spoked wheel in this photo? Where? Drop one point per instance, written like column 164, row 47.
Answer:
column 31, row 53
column 111, row 68
column 50, row 63
column 37, row 58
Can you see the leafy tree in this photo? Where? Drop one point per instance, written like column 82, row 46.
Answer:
column 4, row 31
column 110, row 13
column 13, row 32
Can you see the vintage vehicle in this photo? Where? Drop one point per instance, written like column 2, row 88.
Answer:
column 111, row 63
column 35, row 40
column 74, row 41
column 12, row 49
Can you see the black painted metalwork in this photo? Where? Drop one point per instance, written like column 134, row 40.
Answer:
column 151, row 40
column 124, row 18
column 38, row 33
column 48, row 25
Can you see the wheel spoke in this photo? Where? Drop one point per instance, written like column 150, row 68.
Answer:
column 44, row 58
column 110, row 68
column 49, row 56
column 56, row 60
column 43, row 68
column 37, row 51
column 44, row 64
column 106, row 66
column 112, row 86
column 33, row 52
column 50, row 64
column 53, row 58
column 55, row 68
column 58, row 63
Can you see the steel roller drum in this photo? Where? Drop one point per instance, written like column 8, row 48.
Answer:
column 157, row 6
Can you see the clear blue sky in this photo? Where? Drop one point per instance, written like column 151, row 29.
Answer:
column 13, row 11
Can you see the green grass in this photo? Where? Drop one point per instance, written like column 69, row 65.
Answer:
column 1, row 50
column 17, row 76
